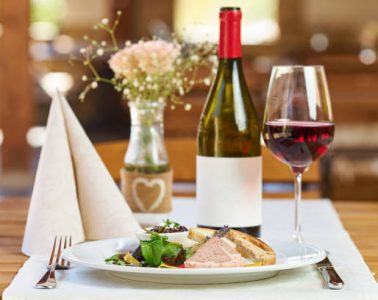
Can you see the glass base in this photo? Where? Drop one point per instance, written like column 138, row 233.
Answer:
column 297, row 237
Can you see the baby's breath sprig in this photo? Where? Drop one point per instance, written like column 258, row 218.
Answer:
column 96, row 49
column 149, row 70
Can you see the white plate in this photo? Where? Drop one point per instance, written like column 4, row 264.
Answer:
column 290, row 255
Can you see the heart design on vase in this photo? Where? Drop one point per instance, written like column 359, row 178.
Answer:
column 147, row 186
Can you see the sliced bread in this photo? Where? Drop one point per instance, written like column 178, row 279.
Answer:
column 248, row 246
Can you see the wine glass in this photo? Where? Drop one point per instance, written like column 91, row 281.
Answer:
column 298, row 123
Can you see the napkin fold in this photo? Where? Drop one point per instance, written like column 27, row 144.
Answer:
column 73, row 192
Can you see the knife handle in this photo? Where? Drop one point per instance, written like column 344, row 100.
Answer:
column 331, row 278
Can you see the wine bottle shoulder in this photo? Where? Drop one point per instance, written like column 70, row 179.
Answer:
column 228, row 125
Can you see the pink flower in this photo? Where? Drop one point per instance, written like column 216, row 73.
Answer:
column 123, row 63
column 152, row 58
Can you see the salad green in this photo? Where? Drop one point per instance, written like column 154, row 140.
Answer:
column 156, row 252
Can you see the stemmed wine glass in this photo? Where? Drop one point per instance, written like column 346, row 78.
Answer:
column 298, row 123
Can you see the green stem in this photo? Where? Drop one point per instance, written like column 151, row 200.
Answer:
column 105, row 80
column 115, row 45
column 91, row 67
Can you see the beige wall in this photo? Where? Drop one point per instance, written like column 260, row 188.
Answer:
column 339, row 15
column 85, row 13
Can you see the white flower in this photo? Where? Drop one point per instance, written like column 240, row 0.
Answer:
column 126, row 92
column 194, row 58
column 148, row 78
column 100, row 52
column 83, row 50
column 103, row 43
column 188, row 106
column 141, row 88
column 84, row 78
column 206, row 81
column 214, row 71
column 105, row 21
column 191, row 82
column 161, row 99
column 135, row 83
column 173, row 107
column 124, row 81
column 181, row 91
column 155, row 86
column 128, row 43
column 119, row 12
column 213, row 58
column 94, row 85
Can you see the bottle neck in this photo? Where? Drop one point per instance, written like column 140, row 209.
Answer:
column 229, row 38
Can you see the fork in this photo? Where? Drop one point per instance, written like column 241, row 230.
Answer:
column 48, row 280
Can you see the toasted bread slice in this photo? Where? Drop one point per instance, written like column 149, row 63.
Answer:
column 248, row 246
column 200, row 234
column 251, row 247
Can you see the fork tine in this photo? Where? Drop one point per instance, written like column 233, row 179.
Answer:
column 69, row 245
column 52, row 252
column 59, row 251
column 63, row 262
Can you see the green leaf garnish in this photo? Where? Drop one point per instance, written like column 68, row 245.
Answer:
column 152, row 250
column 157, row 248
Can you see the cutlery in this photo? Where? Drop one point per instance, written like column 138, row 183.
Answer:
column 48, row 280
column 331, row 278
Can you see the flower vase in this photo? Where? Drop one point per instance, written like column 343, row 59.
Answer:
column 146, row 178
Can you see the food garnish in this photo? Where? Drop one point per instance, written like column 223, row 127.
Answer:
column 225, row 247
column 157, row 248
column 116, row 259
column 131, row 260
column 151, row 253
column 222, row 231
column 167, row 226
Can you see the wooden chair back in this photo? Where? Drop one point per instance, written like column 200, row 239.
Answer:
column 182, row 154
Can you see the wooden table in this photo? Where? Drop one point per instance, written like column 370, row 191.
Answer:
column 359, row 218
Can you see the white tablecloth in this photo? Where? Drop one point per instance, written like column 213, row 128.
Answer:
column 321, row 227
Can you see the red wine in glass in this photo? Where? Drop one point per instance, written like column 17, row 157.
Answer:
column 298, row 143
column 298, row 122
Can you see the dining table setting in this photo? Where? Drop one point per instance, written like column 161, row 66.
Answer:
column 82, row 236
column 351, row 222
column 67, row 249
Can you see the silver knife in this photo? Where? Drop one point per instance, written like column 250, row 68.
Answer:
column 331, row 278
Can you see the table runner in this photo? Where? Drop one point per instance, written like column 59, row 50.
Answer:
column 321, row 227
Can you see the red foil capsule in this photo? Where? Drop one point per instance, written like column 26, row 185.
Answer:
column 229, row 39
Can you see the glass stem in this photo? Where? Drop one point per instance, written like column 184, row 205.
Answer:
column 298, row 199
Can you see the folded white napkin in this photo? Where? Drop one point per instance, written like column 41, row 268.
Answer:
column 73, row 193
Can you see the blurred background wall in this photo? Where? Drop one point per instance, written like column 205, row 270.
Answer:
column 37, row 38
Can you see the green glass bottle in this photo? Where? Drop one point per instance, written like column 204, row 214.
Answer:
column 229, row 183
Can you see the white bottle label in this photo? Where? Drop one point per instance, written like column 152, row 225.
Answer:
column 229, row 191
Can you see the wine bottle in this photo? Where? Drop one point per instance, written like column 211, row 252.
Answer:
column 229, row 183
